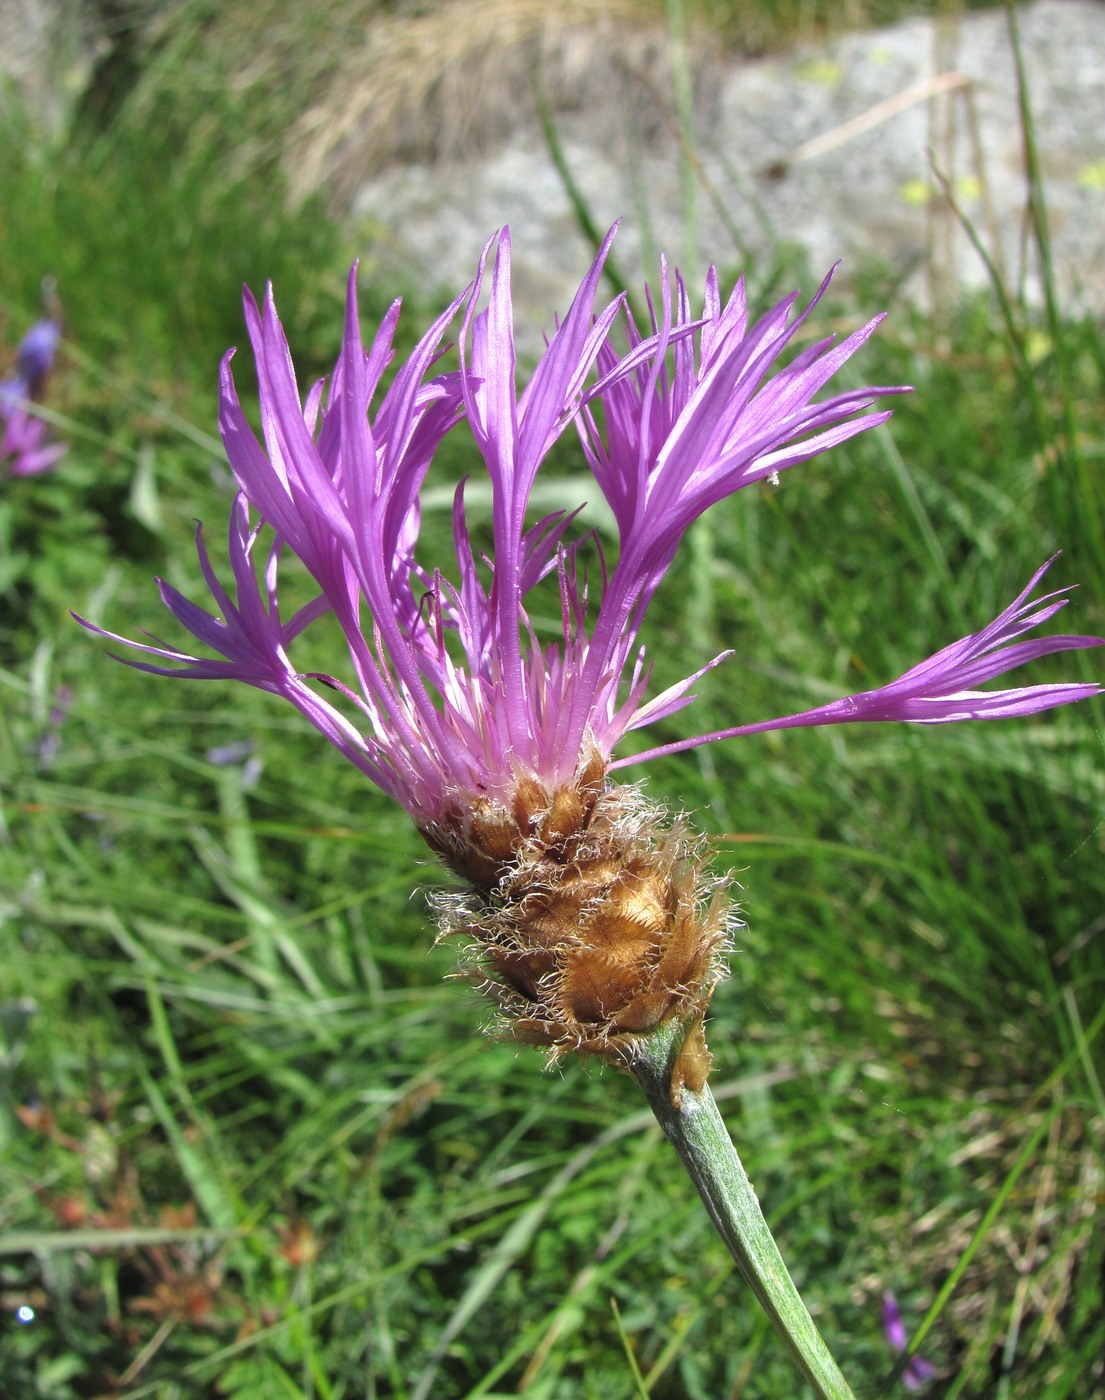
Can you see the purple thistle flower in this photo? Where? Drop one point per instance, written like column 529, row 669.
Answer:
column 24, row 434
column 918, row 1369
column 454, row 694
column 593, row 915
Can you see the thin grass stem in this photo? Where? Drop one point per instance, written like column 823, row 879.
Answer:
column 1088, row 503
column 684, row 110
column 695, row 1128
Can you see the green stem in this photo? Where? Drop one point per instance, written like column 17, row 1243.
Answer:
column 696, row 1131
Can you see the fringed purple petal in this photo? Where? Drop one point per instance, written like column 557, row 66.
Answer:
column 453, row 691
column 939, row 690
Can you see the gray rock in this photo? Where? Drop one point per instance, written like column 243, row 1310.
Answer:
column 826, row 147
column 47, row 51
column 779, row 161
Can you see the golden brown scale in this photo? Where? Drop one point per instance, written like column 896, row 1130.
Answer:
column 590, row 914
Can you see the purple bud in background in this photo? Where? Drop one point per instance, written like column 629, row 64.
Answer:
column 36, row 355
column 22, row 434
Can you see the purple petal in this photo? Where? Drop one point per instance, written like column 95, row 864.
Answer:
column 449, row 688
column 938, row 690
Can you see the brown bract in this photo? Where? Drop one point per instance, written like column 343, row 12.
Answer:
column 590, row 918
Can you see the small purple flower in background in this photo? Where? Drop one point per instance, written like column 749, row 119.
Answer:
column 49, row 743
column 36, row 353
column 24, row 434
column 595, row 922
column 239, row 755
column 917, row 1370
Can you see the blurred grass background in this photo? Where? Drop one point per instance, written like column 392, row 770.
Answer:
column 225, row 1034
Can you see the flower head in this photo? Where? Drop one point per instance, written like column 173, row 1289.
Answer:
column 497, row 743
column 24, row 434
column 454, row 694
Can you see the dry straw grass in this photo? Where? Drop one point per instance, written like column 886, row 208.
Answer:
column 437, row 85
column 337, row 96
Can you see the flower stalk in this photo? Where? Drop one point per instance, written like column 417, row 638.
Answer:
column 694, row 1126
